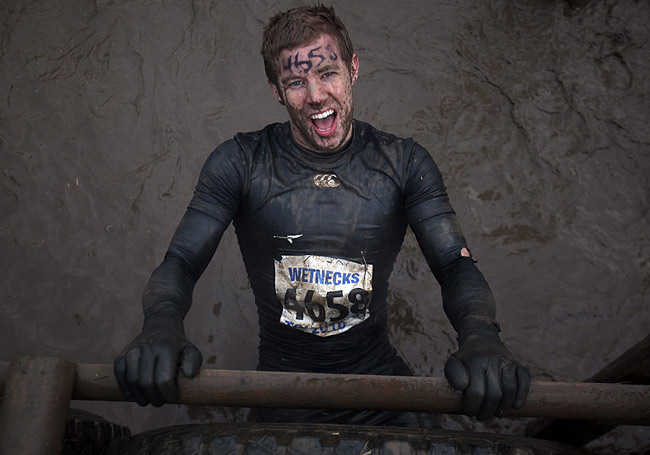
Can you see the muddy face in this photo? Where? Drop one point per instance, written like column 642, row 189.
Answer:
column 316, row 88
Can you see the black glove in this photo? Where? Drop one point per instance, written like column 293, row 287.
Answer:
column 146, row 369
column 491, row 379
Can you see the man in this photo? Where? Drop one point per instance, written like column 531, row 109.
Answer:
column 320, row 205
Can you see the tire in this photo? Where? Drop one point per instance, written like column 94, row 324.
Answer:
column 297, row 439
column 90, row 434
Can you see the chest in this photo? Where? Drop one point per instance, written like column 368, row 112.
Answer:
column 297, row 209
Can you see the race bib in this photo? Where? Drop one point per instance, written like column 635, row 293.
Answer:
column 323, row 296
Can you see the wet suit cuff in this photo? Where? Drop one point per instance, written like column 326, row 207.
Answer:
column 482, row 326
column 163, row 316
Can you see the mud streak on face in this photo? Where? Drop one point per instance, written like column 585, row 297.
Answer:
column 333, row 56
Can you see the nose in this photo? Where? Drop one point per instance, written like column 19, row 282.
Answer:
column 317, row 92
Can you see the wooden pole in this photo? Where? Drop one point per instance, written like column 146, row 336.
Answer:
column 35, row 404
column 619, row 403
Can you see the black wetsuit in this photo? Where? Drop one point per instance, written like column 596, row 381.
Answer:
column 319, row 234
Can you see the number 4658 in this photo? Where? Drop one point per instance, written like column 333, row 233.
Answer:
column 359, row 299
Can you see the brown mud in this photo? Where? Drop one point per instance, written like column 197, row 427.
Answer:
column 537, row 112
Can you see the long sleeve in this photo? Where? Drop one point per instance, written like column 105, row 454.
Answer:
column 215, row 202
column 467, row 298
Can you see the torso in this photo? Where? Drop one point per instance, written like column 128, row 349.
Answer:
column 342, row 217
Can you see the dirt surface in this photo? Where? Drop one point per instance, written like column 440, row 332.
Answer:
column 537, row 112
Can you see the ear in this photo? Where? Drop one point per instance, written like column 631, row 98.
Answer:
column 354, row 68
column 276, row 93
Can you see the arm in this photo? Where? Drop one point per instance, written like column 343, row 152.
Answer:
column 146, row 369
column 491, row 380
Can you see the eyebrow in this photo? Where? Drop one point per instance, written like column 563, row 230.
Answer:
column 286, row 80
column 326, row 67
column 320, row 69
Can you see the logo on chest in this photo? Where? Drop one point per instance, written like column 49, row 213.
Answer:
column 326, row 180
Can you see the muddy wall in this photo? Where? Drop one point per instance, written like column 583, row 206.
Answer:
column 537, row 112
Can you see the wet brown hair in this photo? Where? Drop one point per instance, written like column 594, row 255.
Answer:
column 298, row 26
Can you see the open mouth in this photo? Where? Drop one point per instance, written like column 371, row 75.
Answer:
column 325, row 122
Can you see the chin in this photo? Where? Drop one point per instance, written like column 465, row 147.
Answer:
column 330, row 145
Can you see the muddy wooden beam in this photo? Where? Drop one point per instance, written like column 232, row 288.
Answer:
column 35, row 404
column 633, row 367
column 605, row 402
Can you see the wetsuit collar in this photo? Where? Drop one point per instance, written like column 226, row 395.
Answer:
column 322, row 155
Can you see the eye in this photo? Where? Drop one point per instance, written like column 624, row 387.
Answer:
column 295, row 84
column 328, row 74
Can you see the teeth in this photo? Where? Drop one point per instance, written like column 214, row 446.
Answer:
column 323, row 114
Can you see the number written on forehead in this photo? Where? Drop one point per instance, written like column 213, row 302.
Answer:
column 314, row 58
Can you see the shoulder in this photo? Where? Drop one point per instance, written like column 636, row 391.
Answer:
column 409, row 160
column 255, row 140
column 242, row 148
column 401, row 152
column 369, row 135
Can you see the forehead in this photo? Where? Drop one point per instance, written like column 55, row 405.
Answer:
column 324, row 42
